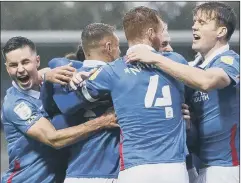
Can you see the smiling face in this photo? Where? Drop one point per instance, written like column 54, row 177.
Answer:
column 22, row 65
column 166, row 39
column 205, row 32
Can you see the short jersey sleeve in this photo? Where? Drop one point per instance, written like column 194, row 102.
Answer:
column 22, row 114
column 230, row 65
column 99, row 84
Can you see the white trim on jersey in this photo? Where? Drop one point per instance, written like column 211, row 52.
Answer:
column 86, row 93
column 214, row 54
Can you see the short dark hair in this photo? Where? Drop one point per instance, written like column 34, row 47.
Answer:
column 17, row 42
column 80, row 53
column 138, row 20
column 222, row 13
column 71, row 56
column 95, row 32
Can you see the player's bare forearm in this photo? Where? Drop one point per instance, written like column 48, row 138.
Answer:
column 70, row 135
column 214, row 78
column 210, row 79
column 45, row 132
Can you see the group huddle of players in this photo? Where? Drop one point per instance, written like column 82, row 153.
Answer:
column 146, row 117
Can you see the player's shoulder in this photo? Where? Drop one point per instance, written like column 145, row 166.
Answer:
column 11, row 97
column 229, row 57
column 175, row 57
column 14, row 103
column 61, row 61
column 118, row 61
column 116, row 64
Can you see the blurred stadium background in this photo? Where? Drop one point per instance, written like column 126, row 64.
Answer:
column 56, row 27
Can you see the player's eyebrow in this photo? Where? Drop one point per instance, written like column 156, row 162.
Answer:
column 16, row 62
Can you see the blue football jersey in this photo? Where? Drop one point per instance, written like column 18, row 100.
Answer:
column 29, row 160
column 217, row 114
column 147, row 103
column 98, row 155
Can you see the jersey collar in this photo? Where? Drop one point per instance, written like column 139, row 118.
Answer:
column 32, row 93
column 137, row 45
column 93, row 63
column 214, row 54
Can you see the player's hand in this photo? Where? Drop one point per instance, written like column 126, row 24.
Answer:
column 61, row 75
column 42, row 72
column 110, row 119
column 78, row 78
column 186, row 115
column 141, row 53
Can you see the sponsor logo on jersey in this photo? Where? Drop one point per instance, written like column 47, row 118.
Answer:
column 199, row 96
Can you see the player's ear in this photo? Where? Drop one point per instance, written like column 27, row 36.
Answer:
column 150, row 32
column 6, row 65
column 38, row 61
column 221, row 32
column 108, row 46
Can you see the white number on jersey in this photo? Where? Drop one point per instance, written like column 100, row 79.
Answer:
column 165, row 101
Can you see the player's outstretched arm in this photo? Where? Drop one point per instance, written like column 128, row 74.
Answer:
column 31, row 120
column 45, row 132
column 213, row 78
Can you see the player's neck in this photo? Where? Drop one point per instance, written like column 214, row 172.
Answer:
column 209, row 52
column 136, row 42
column 97, row 56
column 36, row 87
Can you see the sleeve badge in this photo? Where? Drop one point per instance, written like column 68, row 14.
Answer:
column 93, row 76
column 227, row 60
column 23, row 111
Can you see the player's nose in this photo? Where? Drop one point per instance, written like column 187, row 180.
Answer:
column 194, row 26
column 20, row 68
column 168, row 48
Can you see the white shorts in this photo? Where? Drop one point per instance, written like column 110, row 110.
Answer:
column 192, row 174
column 218, row 174
column 89, row 180
column 155, row 173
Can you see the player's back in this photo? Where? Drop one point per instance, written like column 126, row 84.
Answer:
column 217, row 113
column 148, row 106
column 29, row 160
column 98, row 155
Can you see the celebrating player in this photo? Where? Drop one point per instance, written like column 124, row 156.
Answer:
column 147, row 103
column 95, row 159
column 26, row 123
column 215, row 99
column 166, row 39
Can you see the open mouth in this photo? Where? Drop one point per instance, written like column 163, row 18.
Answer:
column 23, row 79
column 196, row 37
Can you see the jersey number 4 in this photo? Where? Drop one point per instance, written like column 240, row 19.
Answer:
column 165, row 101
